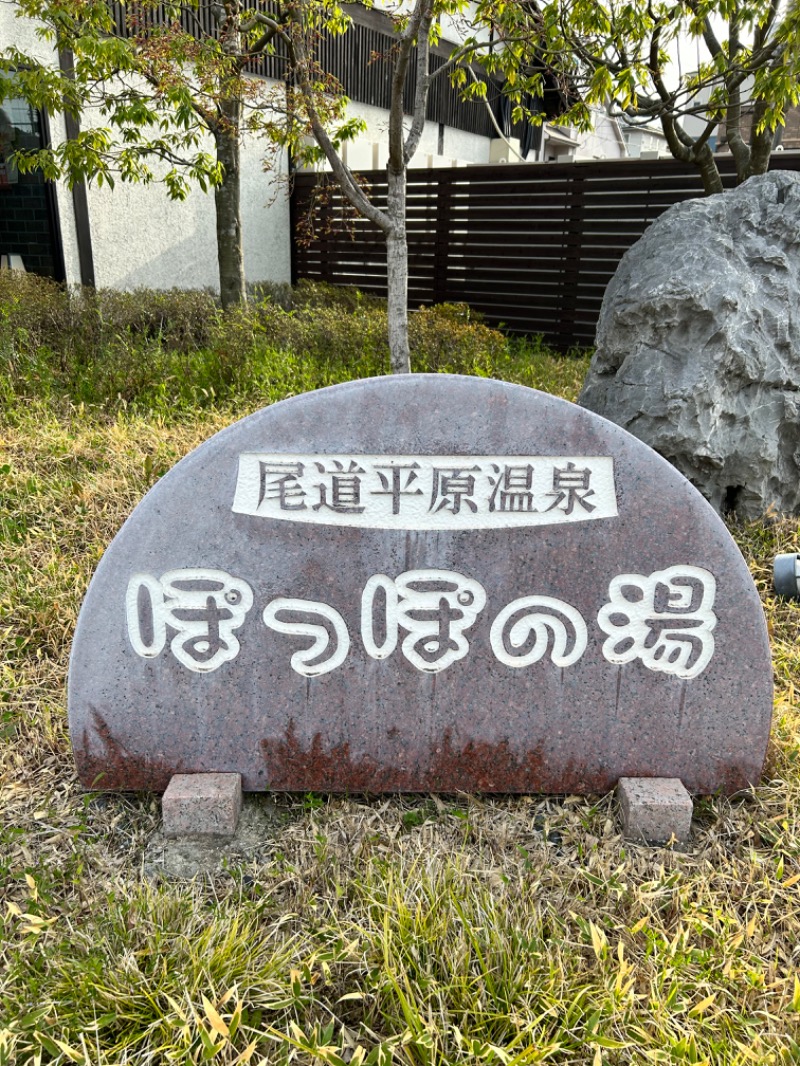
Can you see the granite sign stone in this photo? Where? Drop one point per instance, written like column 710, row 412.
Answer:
column 426, row 582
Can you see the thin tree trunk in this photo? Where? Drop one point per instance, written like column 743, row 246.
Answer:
column 760, row 144
column 760, row 154
column 227, row 199
column 709, row 171
column 397, row 273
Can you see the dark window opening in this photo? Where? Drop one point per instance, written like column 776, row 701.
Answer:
column 28, row 226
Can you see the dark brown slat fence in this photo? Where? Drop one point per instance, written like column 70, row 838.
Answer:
column 532, row 247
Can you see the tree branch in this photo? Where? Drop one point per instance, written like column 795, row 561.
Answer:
column 733, row 124
column 493, row 119
column 761, row 141
column 342, row 173
column 422, row 9
column 678, row 149
column 422, row 86
column 762, row 33
column 457, row 57
column 702, row 140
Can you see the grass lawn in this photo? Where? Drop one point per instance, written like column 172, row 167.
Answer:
column 426, row 930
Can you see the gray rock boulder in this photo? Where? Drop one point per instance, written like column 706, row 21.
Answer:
column 698, row 344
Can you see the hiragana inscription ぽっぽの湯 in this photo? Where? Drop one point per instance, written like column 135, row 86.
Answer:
column 664, row 619
column 417, row 583
column 200, row 608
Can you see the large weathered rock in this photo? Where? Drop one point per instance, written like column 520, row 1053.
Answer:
column 698, row 344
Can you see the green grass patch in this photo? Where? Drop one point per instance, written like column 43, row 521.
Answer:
column 428, row 931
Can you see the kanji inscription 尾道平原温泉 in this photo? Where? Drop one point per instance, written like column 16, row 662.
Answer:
column 426, row 491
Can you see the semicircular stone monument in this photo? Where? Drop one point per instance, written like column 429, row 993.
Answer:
column 420, row 583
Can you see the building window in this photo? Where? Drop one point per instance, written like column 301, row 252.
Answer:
column 28, row 214
column 19, row 128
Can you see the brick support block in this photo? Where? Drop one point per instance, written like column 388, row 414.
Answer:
column 202, row 805
column 655, row 809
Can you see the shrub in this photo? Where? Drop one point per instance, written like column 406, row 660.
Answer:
column 453, row 338
column 34, row 312
column 181, row 320
column 82, row 319
column 176, row 350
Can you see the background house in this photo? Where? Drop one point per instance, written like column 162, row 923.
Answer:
column 645, row 141
column 787, row 137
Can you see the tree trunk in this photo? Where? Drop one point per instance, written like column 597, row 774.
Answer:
column 760, row 146
column 397, row 272
column 227, row 199
column 709, row 171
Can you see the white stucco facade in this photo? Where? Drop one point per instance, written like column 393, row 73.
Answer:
column 142, row 238
column 370, row 151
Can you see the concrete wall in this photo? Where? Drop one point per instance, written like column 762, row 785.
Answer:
column 458, row 145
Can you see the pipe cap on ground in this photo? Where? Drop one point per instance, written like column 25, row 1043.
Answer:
column 784, row 575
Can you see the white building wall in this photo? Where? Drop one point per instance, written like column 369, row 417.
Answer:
column 457, row 28
column 454, row 28
column 370, row 150
column 464, row 146
column 603, row 142
column 142, row 238
column 646, row 141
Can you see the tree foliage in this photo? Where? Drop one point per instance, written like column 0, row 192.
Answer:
column 415, row 30
column 498, row 36
column 626, row 53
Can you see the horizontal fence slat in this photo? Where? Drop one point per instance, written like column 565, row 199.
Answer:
column 532, row 247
